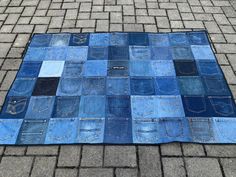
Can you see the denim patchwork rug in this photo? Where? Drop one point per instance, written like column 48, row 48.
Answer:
column 119, row 88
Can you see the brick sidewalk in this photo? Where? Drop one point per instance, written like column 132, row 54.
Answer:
column 20, row 18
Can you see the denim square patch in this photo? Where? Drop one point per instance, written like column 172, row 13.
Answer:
column 142, row 86
column 208, row 68
column 119, row 53
column 14, row 107
column 185, row 68
column 118, row 106
column 66, row 106
column 92, row 106
column 202, row 52
column 29, row 69
column 56, row 53
column 182, row 53
column 118, row 68
column 69, row 87
column 91, row 130
column 98, row 53
column 62, row 130
column 144, row 107
column 35, row 54
column 81, row 39
column 72, row 69
column 215, row 86
column 118, row 86
column 22, row 87
column 94, row 86
column 163, row 67
column 99, row 39
column 159, row 40
column 46, row 86
column 41, row 40
column 32, row 132
column 51, row 69
column 197, row 38
column 40, row 107
column 118, row 39
column 141, row 68
column 77, row 54
column 139, row 53
column 9, row 129
column 138, row 39
column 167, row 86
column 191, row 85
column 60, row 40
column 118, row 130
column 161, row 53
column 178, row 39
column 95, row 68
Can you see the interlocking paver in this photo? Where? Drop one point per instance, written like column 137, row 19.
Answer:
column 69, row 156
column 92, row 156
column 15, row 150
column 98, row 172
column 221, row 150
column 229, row 167
column 173, row 167
column 60, row 172
column 126, row 172
column 43, row 166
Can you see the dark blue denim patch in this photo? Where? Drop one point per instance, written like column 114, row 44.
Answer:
column 29, row 69
column 98, row 53
column 14, row 107
column 182, row 53
column 32, row 132
column 46, row 86
column 222, row 106
column 161, row 53
column 141, row 68
column 215, row 86
column 119, row 53
column 178, row 39
column 159, row 40
column 196, row 106
column 69, row 87
column 118, row 106
column 94, row 86
column 142, row 86
column 35, row 54
column 118, row 129
column 118, row 68
column 118, row 86
column 92, row 106
column 140, row 39
column 59, row 40
column 81, row 39
column 99, row 39
column 66, row 106
column 166, row 86
column 185, row 68
column 119, row 39
column 41, row 40
column 197, row 38
column 191, row 85
column 208, row 68
column 72, row 69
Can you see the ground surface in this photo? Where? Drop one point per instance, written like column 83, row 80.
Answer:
column 20, row 18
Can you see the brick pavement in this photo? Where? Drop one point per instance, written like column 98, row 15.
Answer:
column 20, row 18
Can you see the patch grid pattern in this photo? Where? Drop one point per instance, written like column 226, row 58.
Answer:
column 118, row 88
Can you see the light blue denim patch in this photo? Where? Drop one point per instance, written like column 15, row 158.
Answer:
column 56, row 53
column 35, row 54
column 163, row 68
column 118, row 39
column 51, row 69
column 167, row 86
column 139, row 53
column 225, row 129
column 118, row 86
column 22, row 87
column 161, row 53
column 159, row 40
column 92, row 106
column 72, row 69
column 141, row 68
column 69, row 87
column 182, row 53
column 95, row 68
column 40, row 107
column 94, row 86
column 60, row 40
column 98, row 53
column 41, row 40
column 202, row 52
column 62, row 130
column 191, row 85
column 77, row 54
column 9, row 129
column 99, row 39
column 178, row 39
column 91, row 130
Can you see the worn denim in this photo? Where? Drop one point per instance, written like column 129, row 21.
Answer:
column 197, row 38
column 118, row 86
column 77, row 54
column 118, row 68
column 139, row 53
column 182, row 53
column 95, row 68
column 99, row 39
column 29, row 69
column 81, row 39
column 159, row 40
column 119, row 39
column 185, row 68
column 41, row 40
column 51, row 69
column 69, row 87
column 98, row 53
column 56, row 53
column 118, row 53
column 72, row 69
column 191, row 85
column 60, row 40
column 141, row 68
column 163, row 68
column 166, row 86
column 208, row 68
column 94, row 86
column 202, row 52
column 142, row 86
column 178, row 39
column 161, row 53
column 138, row 39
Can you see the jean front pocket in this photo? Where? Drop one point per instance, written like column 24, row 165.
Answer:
column 216, row 86
column 208, row 68
column 118, row 106
column 167, row 86
column 142, row 86
column 195, row 106
column 69, row 87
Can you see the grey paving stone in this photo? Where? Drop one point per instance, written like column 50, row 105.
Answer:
column 71, row 14
column 173, row 149
column 11, row 64
column 221, row 58
column 176, row 24
column 15, row 150
column 1, row 147
column 56, row 13
column 15, row 52
column 7, row 37
column 145, row 20
column 85, row 7
column 150, row 28
column 4, row 49
column 60, row 172
column 85, row 23
column 149, row 161
column 229, row 74
column 221, row 19
column 133, row 27
column 40, row 20
column 193, row 24
column 42, row 150
column 115, row 17
column 120, row 156
column 212, row 27
column 92, row 156
column 98, row 172
column 12, row 19
column 115, row 27
column 15, row 166
column 229, row 167
column 2, row 74
column 126, row 172
column 56, row 22
column 28, row 11
column 203, row 167
column 162, row 22
column 102, row 26
column 2, row 98
column 100, row 15
column 69, row 156
column 232, row 60
column 190, row 149
column 23, row 28
column 6, row 84
column 225, row 48
column 221, row 150
column 43, row 166
column 173, row 167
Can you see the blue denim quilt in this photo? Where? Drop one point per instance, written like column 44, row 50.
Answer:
column 119, row 88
